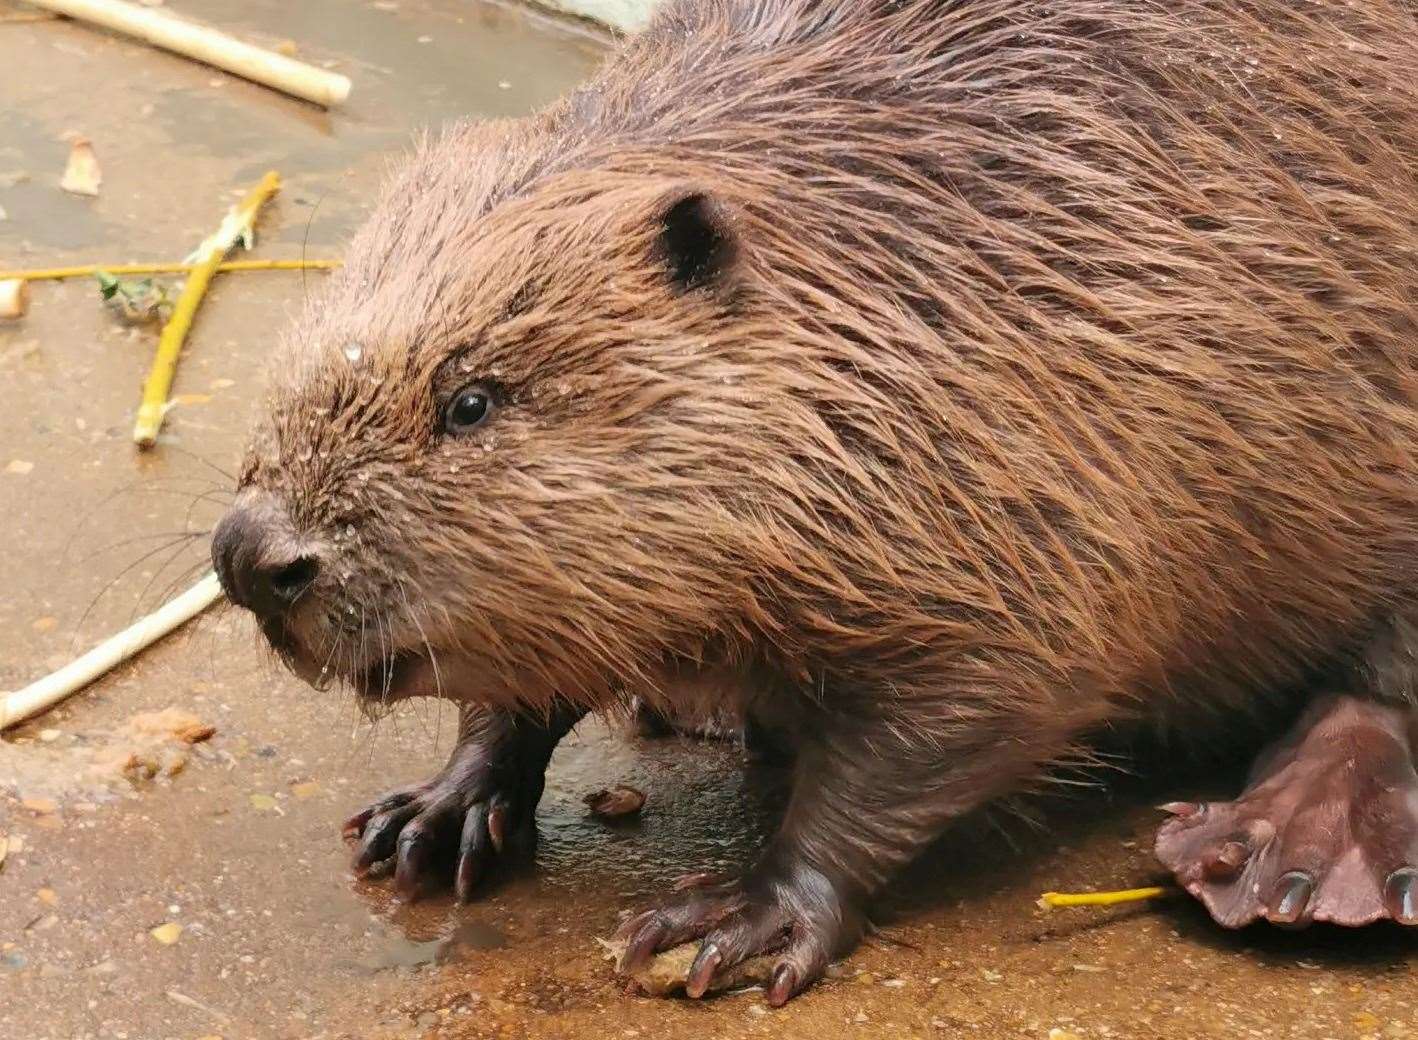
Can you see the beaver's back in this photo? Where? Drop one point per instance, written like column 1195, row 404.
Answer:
column 1090, row 322
column 1125, row 296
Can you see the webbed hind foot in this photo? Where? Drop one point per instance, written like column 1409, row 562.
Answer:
column 1327, row 829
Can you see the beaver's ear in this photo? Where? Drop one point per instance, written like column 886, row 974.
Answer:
column 696, row 241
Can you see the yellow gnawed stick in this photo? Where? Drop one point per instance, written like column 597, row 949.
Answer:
column 1050, row 900
column 41, row 274
column 206, row 258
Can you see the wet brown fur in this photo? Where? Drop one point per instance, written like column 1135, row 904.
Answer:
column 1057, row 371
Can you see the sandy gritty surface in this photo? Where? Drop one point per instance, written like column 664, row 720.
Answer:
column 241, row 847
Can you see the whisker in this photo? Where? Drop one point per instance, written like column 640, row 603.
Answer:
column 305, row 244
column 125, row 542
column 183, row 545
column 202, row 499
column 119, row 577
column 336, row 644
column 153, row 488
column 432, row 655
column 182, row 578
column 202, row 459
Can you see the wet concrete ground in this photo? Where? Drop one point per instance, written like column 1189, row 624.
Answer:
column 242, row 848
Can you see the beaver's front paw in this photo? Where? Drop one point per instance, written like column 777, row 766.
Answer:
column 795, row 913
column 479, row 808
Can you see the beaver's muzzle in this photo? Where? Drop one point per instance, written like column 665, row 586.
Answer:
column 261, row 564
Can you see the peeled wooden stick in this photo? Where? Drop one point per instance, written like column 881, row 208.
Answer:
column 215, row 48
column 35, row 698
column 207, row 258
column 39, row 274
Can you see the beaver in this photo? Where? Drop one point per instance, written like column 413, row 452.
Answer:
column 946, row 384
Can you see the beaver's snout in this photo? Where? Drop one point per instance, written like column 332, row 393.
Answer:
column 261, row 564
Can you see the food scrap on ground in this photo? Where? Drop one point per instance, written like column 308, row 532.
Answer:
column 76, row 769
column 666, row 973
column 152, row 744
column 138, row 301
column 621, row 800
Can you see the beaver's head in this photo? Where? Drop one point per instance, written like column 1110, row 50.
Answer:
column 511, row 451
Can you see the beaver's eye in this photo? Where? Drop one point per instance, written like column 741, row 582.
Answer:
column 468, row 409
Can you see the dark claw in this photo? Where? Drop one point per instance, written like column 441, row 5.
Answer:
column 472, row 853
column 1227, row 861
column 633, row 924
column 644, row 944
column 1291, row 897
column 784, row 985
column 381, row 832
column 701, row 972
column 1401, row 895
column 497, row 825
column 415, row 848
column 355, row 825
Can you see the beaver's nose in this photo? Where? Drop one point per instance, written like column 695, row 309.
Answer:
column 257, row 562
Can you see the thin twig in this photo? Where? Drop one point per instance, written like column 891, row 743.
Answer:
column 85, row 270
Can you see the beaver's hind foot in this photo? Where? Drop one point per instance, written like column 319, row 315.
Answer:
column 1327, row 829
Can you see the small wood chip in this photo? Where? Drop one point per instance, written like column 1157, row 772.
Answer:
column 167, row 934
column 82, row 175
column 618, row 801
column 40, row 806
